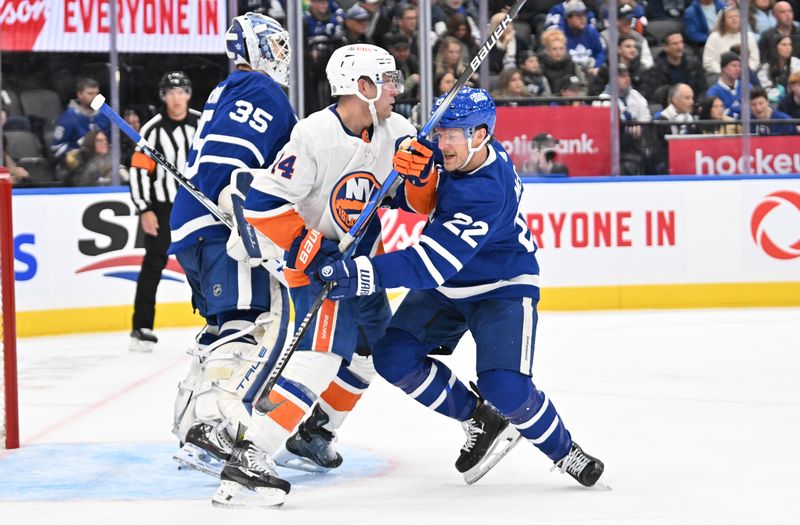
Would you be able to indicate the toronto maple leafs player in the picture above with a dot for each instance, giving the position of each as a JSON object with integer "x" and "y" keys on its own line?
{"x": 305, "y": 203}
{"x": 474, "y": 269}
{"x": 246, "y": 120}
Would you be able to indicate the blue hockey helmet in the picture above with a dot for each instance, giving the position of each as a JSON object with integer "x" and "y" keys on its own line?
{"x": 260, "y": 42}
{"x": 471, "y": 108}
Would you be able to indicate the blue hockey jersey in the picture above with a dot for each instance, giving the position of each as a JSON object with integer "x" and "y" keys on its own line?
{"x": 477, "y": 245}
{"x": 246, "y": 121}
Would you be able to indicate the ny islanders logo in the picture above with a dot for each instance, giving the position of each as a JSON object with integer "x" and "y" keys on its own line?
{"x": 780, "y": 206}
{"x": 349, "y": 196}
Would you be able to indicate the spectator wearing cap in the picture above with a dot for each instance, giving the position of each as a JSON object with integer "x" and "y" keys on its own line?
{"x": 724, "y": 35}
{"x": 761, "y": 110}
{"x": 774, "y": 74}
{"x": 379, "y": 22}
{"x": 354, "y": 26}
{"x": 639, "y": 19}
{"x": 699, "y": 18}
{"x": 625, "y": 29}
{"x": 785, "y": 25}
{"x": 399, "y": 48}
{"x": 728, "y": 88}
{"x": 504, "y": 54}
{"x": 570, "y": 87}
{"x": 632, "y": 108}
{"x": 790, "y": 103}
{"x": 77, "y": 120}
{"x": 628, "y": 56}
{"x": 557, "y": 15}
{"x": 535, "y": 82}
{"x": 672, "y": 66}
{"x": 583, "y": 41}
{"x": 556, "y": 63}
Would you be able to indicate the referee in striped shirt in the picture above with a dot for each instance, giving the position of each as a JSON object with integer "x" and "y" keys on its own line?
{"x": 153, "y": 191}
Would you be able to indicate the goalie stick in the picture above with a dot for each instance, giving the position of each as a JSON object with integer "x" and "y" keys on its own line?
{"x": 246, "y": 230}
{"x": 347, "y": 245}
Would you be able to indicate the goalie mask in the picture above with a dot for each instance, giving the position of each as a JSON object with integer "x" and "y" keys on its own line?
{"x": 261, "y": 43}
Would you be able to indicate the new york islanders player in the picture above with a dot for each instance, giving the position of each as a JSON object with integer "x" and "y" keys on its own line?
{"x": 305, "y": 202}
{"x": 474, "y": 269}
{"x": 246, "y": 120}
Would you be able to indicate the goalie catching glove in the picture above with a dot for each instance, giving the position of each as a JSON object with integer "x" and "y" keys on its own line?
{"x": 353, "y": 277}
{"x": 413, "y": 160}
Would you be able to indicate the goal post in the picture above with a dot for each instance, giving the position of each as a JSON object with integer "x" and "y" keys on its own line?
{"x": 9, "y": 418}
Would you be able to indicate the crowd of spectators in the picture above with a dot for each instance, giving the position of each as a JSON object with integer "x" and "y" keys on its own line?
{"x": 553, "y": 49}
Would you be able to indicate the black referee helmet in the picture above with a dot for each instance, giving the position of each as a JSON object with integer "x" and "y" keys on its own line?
{"x": 174, "y": 79}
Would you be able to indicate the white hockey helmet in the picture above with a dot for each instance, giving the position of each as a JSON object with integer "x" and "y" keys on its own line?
{"x": 349, "y": 63}
{"x": 260, "y": 42}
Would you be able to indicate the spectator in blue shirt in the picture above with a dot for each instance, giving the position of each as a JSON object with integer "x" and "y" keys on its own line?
{"x": 727, "y": 87}
{"x": 761, "y": 110}
{"x": 698, "y": 19}
{"x": 583, "y": 41}
{"x": 78, "y": 120}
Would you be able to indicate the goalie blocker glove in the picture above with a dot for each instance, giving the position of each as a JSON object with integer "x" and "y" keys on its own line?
{"x": 353, "y": 277}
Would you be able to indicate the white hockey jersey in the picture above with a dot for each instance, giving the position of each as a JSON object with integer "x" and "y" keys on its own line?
{"x": 322, "y": 179}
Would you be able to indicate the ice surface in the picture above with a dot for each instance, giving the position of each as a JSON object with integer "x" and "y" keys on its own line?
{"x": 695, "y": 413}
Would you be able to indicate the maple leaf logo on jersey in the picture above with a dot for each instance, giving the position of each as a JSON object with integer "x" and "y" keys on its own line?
{"x": 349, "y": 196}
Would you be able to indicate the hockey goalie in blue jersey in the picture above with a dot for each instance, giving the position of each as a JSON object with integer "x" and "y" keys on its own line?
{"x": 474, "y": 269}
{"x": 246, "y": 120}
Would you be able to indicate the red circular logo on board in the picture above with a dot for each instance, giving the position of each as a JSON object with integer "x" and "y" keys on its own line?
{"x": 350, "y": 195}
{"x": 772, "y": 202}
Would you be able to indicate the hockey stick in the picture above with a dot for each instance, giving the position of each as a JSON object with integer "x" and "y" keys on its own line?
{"x": 348, "y": 243}
{"x": 273, "y": 266}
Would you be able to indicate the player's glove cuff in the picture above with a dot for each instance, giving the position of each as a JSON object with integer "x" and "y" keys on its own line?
{"x": 353, "y": 278}
{"x": 310, "y": 250}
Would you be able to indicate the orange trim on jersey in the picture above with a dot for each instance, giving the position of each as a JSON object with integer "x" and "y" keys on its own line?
{"x": 281, "y": 229}
{"x": 286, "y": 414}
{"x": 365, "y": 136}
{"x": 323, "y": 331}
{"x": 423, "y": 199}
{"x": 142, "y": 161}
{"x": 340, "y": 399}
{"x": 296, "y": 278}
{"x": 380, "y": 250}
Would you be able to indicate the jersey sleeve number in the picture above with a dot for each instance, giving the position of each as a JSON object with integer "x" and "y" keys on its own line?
{"x": 258, "y": 119}
{"x": 463, "y": 226}
{"x": 285, "y": 165}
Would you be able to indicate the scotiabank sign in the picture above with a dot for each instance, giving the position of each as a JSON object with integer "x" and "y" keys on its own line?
{"x": 143, "y": 26}
{"x": 581, "y": 131}
{"x": 723, "y": 155}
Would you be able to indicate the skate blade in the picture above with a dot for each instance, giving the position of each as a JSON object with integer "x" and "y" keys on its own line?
{"x": 286, "y": 459}
{"x": 141, "y": 346}
{"x": 233, "y": 495}
{"x": 194, "y": 457}
{"x": 507, "y": 440}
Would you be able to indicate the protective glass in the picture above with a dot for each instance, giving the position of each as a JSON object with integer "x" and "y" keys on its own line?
{"x": 394, "y": 78}
{"x": 452, "y": 136}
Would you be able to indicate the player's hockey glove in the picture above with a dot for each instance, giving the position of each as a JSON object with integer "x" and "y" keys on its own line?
{"x": 413, "y": 160}
{"x": 310, "y": 250}
{"x": 353, "y": 277}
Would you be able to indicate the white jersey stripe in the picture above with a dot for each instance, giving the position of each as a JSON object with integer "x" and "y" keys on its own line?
{"x": 244, "y": 285}
{"x": 443, "y": 395}
{"x": 441, "y": 250}
{"x": 536, "y": 417}
{"x": 462, "y": 292}
{"x": 428, "y": 264}
{"x": 239, "y": 142}
{"x": 541, "y": 439}
{"x": 526, "y": 337}
{"x": 193, "y": 225}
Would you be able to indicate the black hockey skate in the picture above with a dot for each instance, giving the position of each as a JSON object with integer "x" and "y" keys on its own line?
{"x": 142, "y": 340}
{"x": 206, "y": 449}
{"x": 311, "y": 447}
{"x": 489, "y": 438}
{"x": 249, "y": 479}
{"x": 581, "y": 466}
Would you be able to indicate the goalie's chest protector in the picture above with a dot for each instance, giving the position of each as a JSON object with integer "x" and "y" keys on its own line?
{"x": 339, "y": 172}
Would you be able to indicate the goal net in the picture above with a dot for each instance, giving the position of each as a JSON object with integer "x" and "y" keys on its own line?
{"x": 9, "y": 427}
